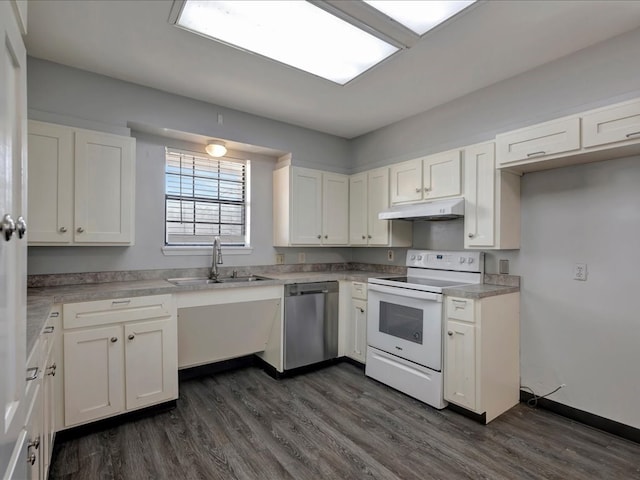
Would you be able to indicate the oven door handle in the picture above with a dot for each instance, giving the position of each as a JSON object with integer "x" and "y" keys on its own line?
{"x": 405, "y": 292}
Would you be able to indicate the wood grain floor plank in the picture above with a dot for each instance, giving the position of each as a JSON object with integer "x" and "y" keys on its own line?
{"x": 336, "y": 423}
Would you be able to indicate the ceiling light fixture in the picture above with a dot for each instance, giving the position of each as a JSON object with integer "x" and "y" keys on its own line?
{"x": 216, "y": 149}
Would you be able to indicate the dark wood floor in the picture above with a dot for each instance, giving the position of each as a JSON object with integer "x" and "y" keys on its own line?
{"x": 337, "y": 424}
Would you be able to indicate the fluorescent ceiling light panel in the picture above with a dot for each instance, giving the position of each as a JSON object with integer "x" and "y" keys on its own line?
{"x": 419, "y": 16}
{"x": 296, "y": 33}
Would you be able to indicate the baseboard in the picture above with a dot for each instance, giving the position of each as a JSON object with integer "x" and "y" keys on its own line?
{"x": 480, "y": 418}
{"x": 353, "y": 362}
{"x": 217, "y": 367}
{"x": 595, "y": 421}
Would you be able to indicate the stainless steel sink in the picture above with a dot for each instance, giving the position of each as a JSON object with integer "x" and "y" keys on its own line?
{"x": 205, "y": 281}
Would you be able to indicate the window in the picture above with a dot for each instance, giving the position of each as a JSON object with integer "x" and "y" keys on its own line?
{"x": 205, "y": 197}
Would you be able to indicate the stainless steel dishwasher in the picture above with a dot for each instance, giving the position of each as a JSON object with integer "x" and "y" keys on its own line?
{"x": 310, "y": 323}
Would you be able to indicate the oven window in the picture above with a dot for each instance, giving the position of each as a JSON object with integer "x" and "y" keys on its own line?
{"x": 401, "y": 321}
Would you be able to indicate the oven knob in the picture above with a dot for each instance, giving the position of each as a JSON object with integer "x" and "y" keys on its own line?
{"x": 470, "y": 260}
{"x": 419, "y": 257}
{"x": 462, "y": 259}
{"x": 413, "y": 257}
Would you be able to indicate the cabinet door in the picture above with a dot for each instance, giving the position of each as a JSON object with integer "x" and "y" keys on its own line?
{"x": 50, "y": 183}
{"x": 479, "y": 196}
{"x": 13, "y": 253}
{"x": 441, "y": 175}
{"x": 35, "y": 466}
{"x": 357, "y": 346}
{"x": 378, "y": 200}
{"x": 49, "y": 394}
{"x": 151, "y": 362}
{"x": 306, "y": 206}
{"x": 406, "y": 181}
{"x": 93, "y": 374}
{"x": 335, "y": 209}
{"x": 538, "y": 141}
{"x": 104, "y": 188}
{"x": 617, "y": 124}
{"x": 460, "y": 364}
{"x": 358, "y": 209}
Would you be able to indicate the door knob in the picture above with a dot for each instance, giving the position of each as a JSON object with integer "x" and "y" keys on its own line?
{"x": 21, "y": 226}
{"x": 7, "y": 227}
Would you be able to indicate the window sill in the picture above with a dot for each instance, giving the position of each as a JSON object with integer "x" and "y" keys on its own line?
{"x": 204, "y": 251}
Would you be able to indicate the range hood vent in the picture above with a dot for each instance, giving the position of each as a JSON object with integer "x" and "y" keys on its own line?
{"x": 447, "y": 209}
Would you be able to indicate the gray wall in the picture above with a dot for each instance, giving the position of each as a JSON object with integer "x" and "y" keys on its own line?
{"x": 82, "y": 99}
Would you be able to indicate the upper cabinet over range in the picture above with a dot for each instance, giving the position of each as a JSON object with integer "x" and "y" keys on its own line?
{"x": 426, "y": 178}
{"x": 81, "y": 186}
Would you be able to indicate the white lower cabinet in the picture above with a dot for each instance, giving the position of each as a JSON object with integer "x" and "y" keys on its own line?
{"x": 119, "y": 355}
{"x": 482, "y": 354}
{"x": 357, "y": 326}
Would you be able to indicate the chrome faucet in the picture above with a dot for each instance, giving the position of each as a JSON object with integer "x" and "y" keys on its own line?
{"x": 217, "y": 258}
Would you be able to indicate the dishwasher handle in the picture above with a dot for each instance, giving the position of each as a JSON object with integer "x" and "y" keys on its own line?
{"x": 295, "y": 290}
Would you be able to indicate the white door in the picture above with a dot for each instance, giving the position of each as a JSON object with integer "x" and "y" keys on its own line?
{"x": 151, "y": 362}
{"x": 406, "y": 181}
{"x": 358, "y": 209}
{"x": 460, "y": 364}
{"x": 441, "y": 175}
{"x": 13, "y": 259}
{"x": 306, "y": 206}
{"x": 104, "y": 188}
{"x": 378, "y": 200}
{"x": 335, "y": 209}
{"x": 479, "y": 185}
{"x": 93, "y": 374}
{"x": 50, "y": 183}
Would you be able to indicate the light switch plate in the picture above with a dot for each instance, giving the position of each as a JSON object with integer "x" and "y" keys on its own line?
{"x": 279, "y": 258}
{"x": 390, "y": 256}
{"x": 302, "y": 257}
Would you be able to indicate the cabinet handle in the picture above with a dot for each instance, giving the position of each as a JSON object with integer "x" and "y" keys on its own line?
{"x": 418, "y": 189}
{"x": 21, "y": 226}
{"x": 31, "y": 459}
{"x": 470, "y": 235}
{"x": 363, "y": 237}
{"x": 34, "y": 444}
{"x": 427, "y": 189}
{"x": 369, "y": 236}
{"x": 450, "y": 333}
{"x": 7, "y": 227}
{"x": 63, "y": 229}
{"x": 326, "y": 236}
{"x": 629, "y": 135}
{"x": 80, "y": 230}
{"x": 33, "y": 375}
{"x": 54, "y": 314}
{"x": 131, "y": 337}
{"x": 536, "y": 154}
{"x": 121, "y": 302}
{"x": 319, "y": 236}
{"x": 114, "y": 339}
{"x": 48, "y": 329}
{"x": 52, "y": 370}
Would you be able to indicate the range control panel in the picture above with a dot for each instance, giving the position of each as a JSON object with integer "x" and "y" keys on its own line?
{"x": 446, "y": 260}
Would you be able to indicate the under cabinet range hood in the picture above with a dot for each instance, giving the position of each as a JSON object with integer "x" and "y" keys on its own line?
{"x": 447, "y": 209}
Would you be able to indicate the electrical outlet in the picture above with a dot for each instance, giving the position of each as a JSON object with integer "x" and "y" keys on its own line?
{"x": 279, "y": 258}
{"x": 580, "y": 271}
{"x": 390, "y": 256}
{"x": 504, "y": 266}
{"x": 302, "y": 257}
{"x": 220, "y": 119}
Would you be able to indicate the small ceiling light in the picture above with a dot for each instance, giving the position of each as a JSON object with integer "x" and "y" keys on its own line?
{"x": 216, "y": 149}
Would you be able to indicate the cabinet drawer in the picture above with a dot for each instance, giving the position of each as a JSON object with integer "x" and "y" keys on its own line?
{"x": 460, "y": 309}
{"x": 617, "y": 124}
{"x": 359, "y": 290}
{"x": 102, "y": 312}
{"x": 538, "y": 141}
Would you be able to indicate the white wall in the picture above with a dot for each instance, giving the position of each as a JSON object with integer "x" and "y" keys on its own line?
{"x": 83, "y": 99}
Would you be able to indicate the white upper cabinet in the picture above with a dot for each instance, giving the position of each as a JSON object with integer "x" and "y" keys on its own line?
{"x": 82, "y": 186}
{"x": 539, "y": 141}
{"x": 426, "y": 178}
{"x": 310, "y": 207}
{"x": 368, "y": 196}
{"x": 492, "y": 201}
{"x": 620, "y": 123}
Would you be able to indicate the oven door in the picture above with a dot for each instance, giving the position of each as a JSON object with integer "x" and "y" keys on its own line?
{"x": 406, "y": 323}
